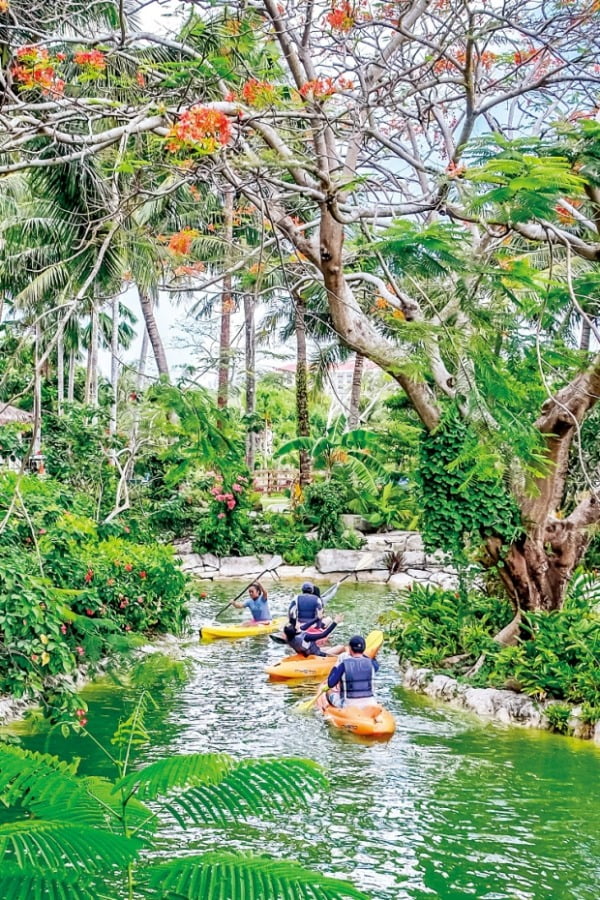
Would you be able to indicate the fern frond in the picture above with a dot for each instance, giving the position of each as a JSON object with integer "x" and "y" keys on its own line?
{"x": 215, "y": 876}
{"x": 248, "y": 789}
{"x": 53, "y": 845}
{"x": 166, "y": 775}
{"x": 15, "y": 884}
{"x": 46, "y": 786}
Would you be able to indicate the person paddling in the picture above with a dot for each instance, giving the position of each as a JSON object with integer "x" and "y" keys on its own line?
{"x": 257, "y": 603}
{"x": 354, "y": 674}
{"x": 307, "y": 607}
{"x": 305, "y": 643}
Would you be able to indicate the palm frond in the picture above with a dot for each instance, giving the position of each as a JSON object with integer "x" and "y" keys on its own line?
{"x": 215, "y": 876}
{"x": 248, "y": 789}
{"x": 166, "y": 775}
{"x": 53, "y": 845}
{"x": 15, "y": 884}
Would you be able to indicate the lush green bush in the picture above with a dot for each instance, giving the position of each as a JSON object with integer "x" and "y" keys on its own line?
{"x": 226, "y": 527}
{"x": 32, "y": 629}
{"x": 139, "y": 587}
{"x": 557, "y": 656}
{"x": 559, "y": 653}
{"x": 70, "y": 592}
{"x": 428, "y": 625}
{"x": 322, "y": 506}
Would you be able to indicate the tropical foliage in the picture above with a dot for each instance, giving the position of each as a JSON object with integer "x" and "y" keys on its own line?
{"x": 555, "y": 656}
{"x": 74, "y": 836}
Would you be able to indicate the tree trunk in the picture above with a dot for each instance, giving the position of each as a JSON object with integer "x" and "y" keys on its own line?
{"x": 60, "y": 375}
{"x": 302, "y": 415}
{"x": 91, "y": 375}
{"x": 353, "y": 412}
{"x": 36, "y": 438}
{"x": 250, "y": 359}
{"x": 160, "y": 357}
{"x": 141, "y": 372}
{"x": 586, "y": 334}
{"x": 226, "y": 305}
{"x": 71, "y": 380}
{"x": 535, "y": 569}
{"x": 114, "y": 365}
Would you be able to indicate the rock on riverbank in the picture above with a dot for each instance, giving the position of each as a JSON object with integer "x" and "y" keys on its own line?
{"x": 371, "y": 564}
{"x": 504, "y": 706}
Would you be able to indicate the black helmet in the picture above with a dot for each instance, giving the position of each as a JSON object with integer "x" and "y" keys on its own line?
{"x": 357, "y": 643}
{"x": 307, "y": 587}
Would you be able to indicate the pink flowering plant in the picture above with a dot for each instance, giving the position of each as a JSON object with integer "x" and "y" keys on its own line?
{"x": 226, "y": 528}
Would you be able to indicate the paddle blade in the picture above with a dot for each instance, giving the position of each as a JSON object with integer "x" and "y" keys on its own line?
{"x": 304, "y": 706}
{"x": 330, "y": 594}
{"x": 373, "y": 643}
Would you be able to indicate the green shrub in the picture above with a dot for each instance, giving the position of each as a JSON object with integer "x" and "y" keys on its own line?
{"x": 32, "y": 627}
{"x": 557, "y": 656}
{"x": 558, "y": 715}
{"x": 139, "y": 587}
{"x": 322, "y": 506}
{"x": 226, "y": 527}
{"x": 430, "y": 624}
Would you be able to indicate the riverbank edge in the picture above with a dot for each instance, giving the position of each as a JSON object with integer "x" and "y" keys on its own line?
{"x": 13, "y": 709}
{"x": 500, "y": 705}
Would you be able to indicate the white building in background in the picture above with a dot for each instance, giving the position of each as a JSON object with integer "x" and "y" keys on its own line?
{"x": 338, "y": 384}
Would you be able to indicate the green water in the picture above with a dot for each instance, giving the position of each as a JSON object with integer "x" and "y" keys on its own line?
{"x": 450, "y": 807}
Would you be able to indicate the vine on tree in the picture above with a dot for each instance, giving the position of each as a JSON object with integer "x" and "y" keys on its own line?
{"x": 461, "y": 507}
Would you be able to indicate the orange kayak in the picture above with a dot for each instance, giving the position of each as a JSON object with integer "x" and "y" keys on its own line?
{"x": 371, "y": 721}
{"x": 298, "y": 666}
{"x": 303, "y": 667}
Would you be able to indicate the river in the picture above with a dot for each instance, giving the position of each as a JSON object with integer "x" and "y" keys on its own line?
{"x": 450, "y": 807}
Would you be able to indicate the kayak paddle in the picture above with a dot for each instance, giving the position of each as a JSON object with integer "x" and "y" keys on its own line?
{"x": 275, "y": 562}
{"x": 304, "y": 706}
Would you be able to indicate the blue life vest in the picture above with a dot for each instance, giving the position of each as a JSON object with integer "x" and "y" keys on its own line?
{"x": 302, "y": 645}
{"x": 305, "y": 608}
{"x": 357, "y": 677}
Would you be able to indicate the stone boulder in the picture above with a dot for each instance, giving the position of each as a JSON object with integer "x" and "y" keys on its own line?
{"x": 401, "y": 581}
{"x": 347, "y": 561}
{"x": 240, "y": 566}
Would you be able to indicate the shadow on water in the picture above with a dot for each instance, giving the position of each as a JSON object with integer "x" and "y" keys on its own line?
{"x": 450, "y": 807}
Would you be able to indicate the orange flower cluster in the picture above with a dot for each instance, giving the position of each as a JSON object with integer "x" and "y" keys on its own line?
{"x": 35, "y": 69}
{"x": 341, "y": 18}
{"x": 190, "y": 269}
{"x": 322, "y": 88}
{"x": 200, "y": 128}
{"x": 455, "y": 171}
{"x": 94, "y": 61}
{"x": 522, "y": 57}
{"x": 564, "y": 214}
{"x": 485, "y": 60}
{"x": 181, "y": 242}
{"x": 4, "y": 6}
{"x": 259, "y": 93}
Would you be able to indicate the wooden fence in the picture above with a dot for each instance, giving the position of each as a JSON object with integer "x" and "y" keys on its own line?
{"x": 273, "y": 481}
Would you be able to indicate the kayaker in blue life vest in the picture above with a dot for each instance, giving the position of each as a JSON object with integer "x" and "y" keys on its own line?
{"x": 257, "y": 603}
{"x": 306, "y": 644}
{"x": 354, "y": 674}
{"x": 306, "y": 607}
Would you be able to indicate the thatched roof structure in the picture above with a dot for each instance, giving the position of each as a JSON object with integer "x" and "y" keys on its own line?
{"x": 10, "y": 414}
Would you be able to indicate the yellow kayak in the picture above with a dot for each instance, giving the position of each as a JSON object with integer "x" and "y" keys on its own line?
{"x": 233, "y": 632}
{"x": 298, "y": 666}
